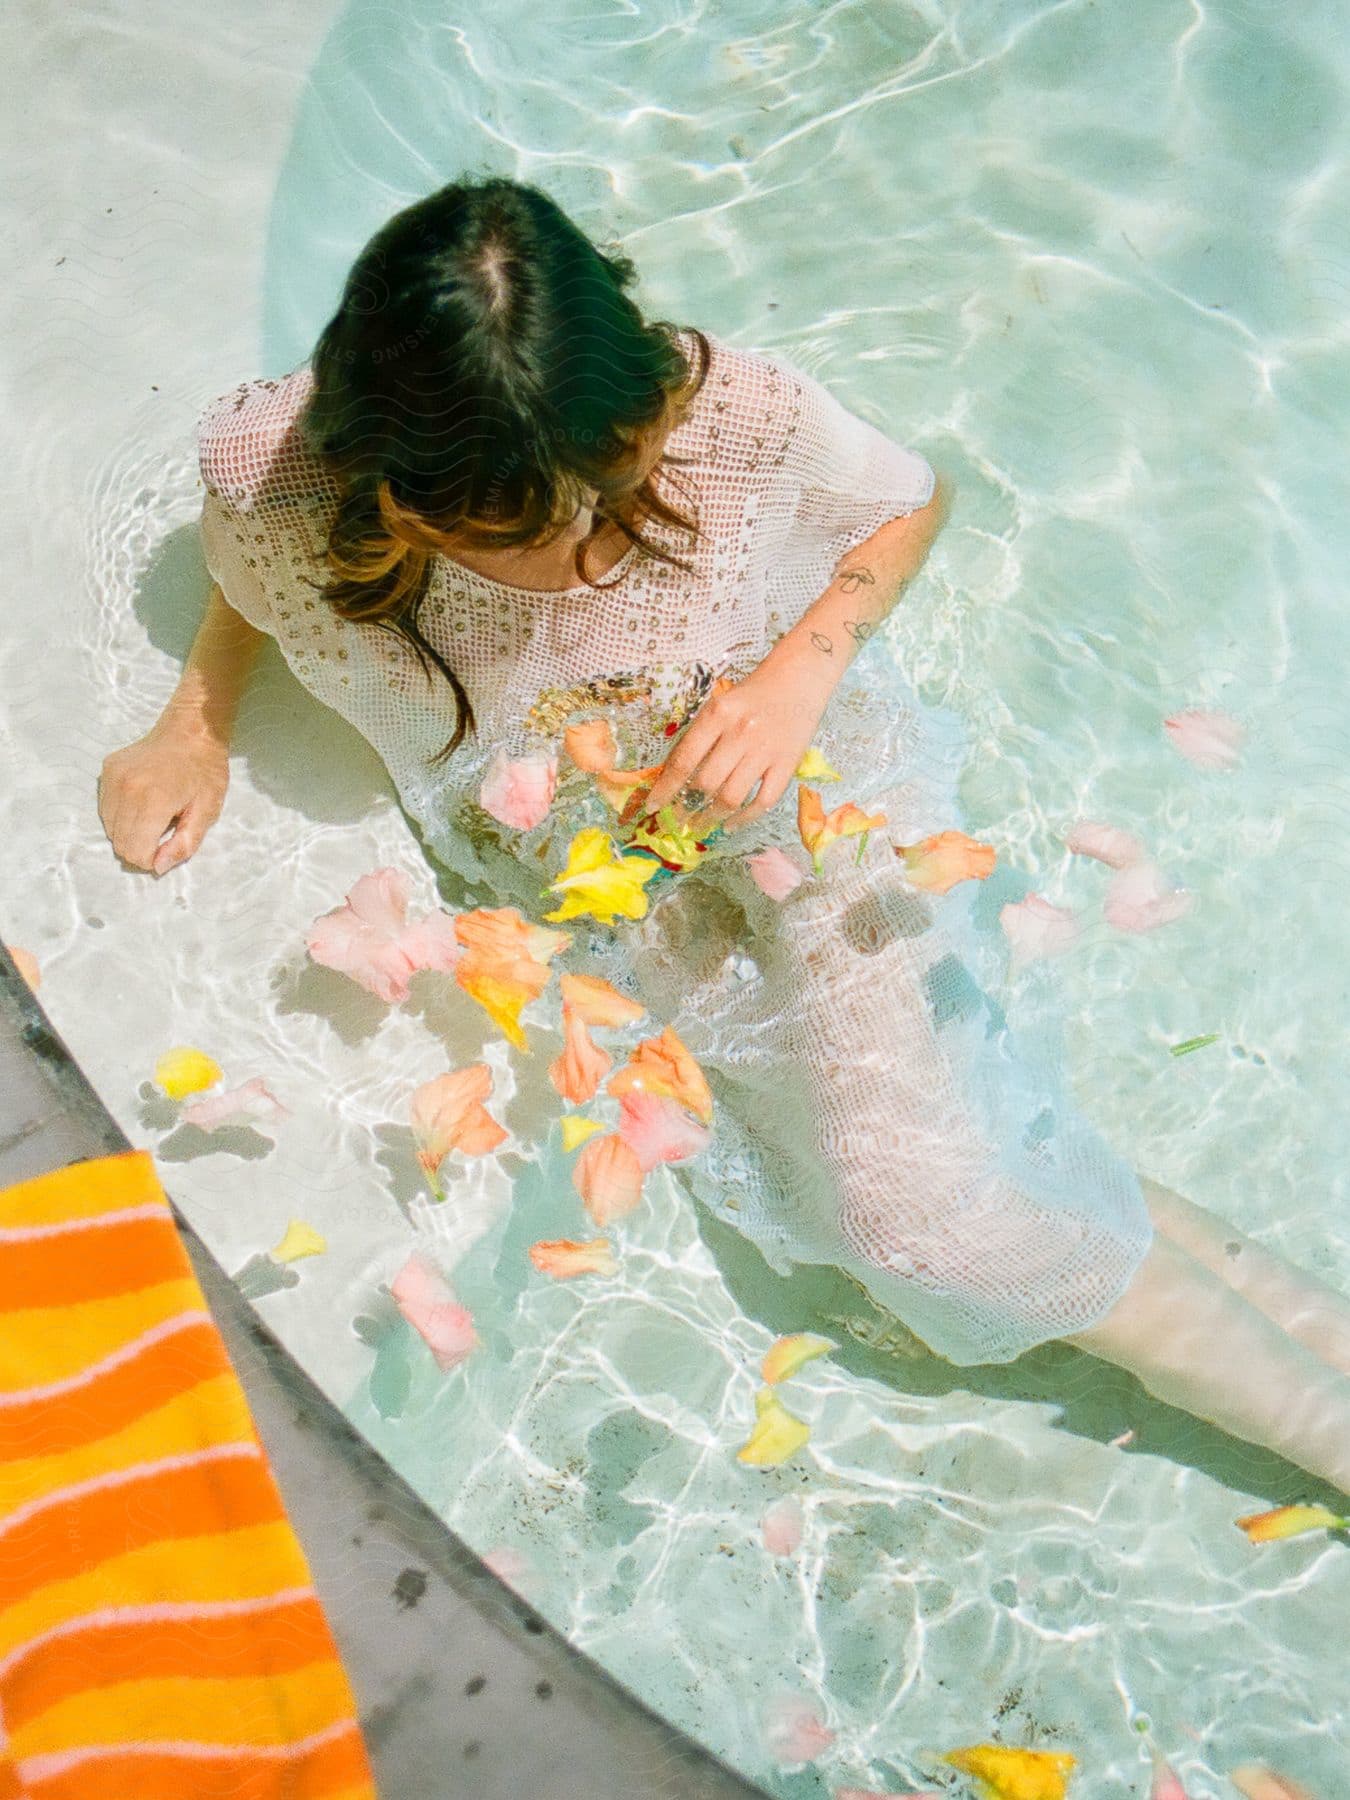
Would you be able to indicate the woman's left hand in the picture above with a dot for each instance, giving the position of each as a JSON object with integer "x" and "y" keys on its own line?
{"x": 755, "y": 731}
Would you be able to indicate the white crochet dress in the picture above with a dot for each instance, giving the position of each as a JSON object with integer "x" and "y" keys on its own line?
{"x": 874, "y": 1111}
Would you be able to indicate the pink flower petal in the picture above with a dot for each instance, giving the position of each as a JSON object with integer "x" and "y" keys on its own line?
{"x": 1210, "y": 740}
{"x": 872, "y": 1794}
{"x": 1107, "y": 843}
{"x": 432, "y": 942}
{"x": 362, "y": 938}
{"x": 774, "y": 872}
{"x": 511, "y": 1565}
{"x": 519, "y": 791}
{"x": 423, "y": 1296}
{"x": 1035, "y": 929}
{"x": 1166, "y": 1781}
{"x": 794, "y": 1731}
{"x": 239, "y": 1106}
{"x": 1138, "y": 899}
{"x": 658, "y": 1128}
{"x": 782, "y": 1526}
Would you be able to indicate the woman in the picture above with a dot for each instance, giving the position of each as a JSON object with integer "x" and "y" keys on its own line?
{"x": 498, "y": 499}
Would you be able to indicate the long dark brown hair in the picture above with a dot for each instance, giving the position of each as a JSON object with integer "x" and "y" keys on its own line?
{"x": 485, "y": 367}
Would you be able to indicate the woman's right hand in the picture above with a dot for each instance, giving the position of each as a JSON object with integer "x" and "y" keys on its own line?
{"x": 172, "y": 779}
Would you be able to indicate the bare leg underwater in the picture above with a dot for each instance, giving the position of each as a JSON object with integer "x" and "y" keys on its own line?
{"x": 1198, "y": 1344}
{"x": 1307, "y": 1308}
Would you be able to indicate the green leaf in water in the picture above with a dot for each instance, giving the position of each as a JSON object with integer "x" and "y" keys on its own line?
{"x": 1196, "y": 1043}
{"x": 391, "y": 1376}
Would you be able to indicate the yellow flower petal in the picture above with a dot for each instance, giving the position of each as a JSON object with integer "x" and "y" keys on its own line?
{"x": 1290, "y": 1521}
{"x": 576, "y": 1129}
{"x": 813, "y": 767}
{"x": 183, "y": 1071}
{"x": 777, "y": 1434}
{"x": 300, "y": 1240}
{"x": 598, "y": 882}
{"x": 787, "y": 1356}
{"x": 1005, "y": 1774}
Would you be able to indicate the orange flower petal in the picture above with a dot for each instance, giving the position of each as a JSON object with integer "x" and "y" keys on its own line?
{"x": 789, "y": 1353}
{"x": 27, "y": 965}
{"x": 598, "y": 1002}
{"x": 563, "y": 1258}
{"x": 578, "y": 1071}
{"x": 937, "y": 863}
{"x": 448, "y": 1114}
{"x": 608, "y": 1176}
{"x": 662, "y": 1065}
{"x": 591, "y": 745}
{"x": 1289, "y": 1521}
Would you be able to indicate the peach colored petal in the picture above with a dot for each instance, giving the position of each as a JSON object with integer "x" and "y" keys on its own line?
{"x": 519, "y": 790}
{"x": 27, "y": 965}
{"x": 1139, "y": 899}
{"x": 1107, "y": 843}
{"x": 938, "y": 862}
{"x": 575, "y": 1130}
{"x": 1257, "y": 1783}
{"x": 361, "y": 938}
{"x": 598, "y": 1002}
{"x": 662, "y": 1065}
{"x": 818, "y": 829}
{"x": 794, "y": 1731}
{"x": 448, "y": 1114}
{"x": 500, "y": 935}
{"x": 608, "y": 1176}
{"x": 781, "y": 1526}
{"x": 581, "y": 1065}
{"x": 1034, "y": 929}
{"x": 238, "y": 1106}
{"x": 426, "y": 1301}
{"x": 183, "y": 1071}
{"x": 658, "y": 1129}
{"x": 591, "y": 745}
{"x": 788, "y": 1354}
{"x": 1209, "y": 740}
{"x": 774, "y": 872}
{"x": 623, "y": 789}
{"x": 563, "y": 1258}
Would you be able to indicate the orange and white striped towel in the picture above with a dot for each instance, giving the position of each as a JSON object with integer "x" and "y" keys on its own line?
{"x": 159, "y": 1634}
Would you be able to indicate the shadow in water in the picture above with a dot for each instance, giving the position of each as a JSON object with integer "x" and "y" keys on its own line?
{"x": 1095, "y": 1399}
{"x": 299, "y": 752}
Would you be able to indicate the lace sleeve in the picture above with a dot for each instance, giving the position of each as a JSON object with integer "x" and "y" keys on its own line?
{"x": 848, "y": 478}
{"x": 224, "y": 550}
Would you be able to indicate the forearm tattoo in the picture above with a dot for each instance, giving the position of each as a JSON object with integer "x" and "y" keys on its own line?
{"x": 852, "y": 581}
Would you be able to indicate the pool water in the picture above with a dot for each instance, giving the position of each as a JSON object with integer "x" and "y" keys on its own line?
{"x": 1093, "y": 261}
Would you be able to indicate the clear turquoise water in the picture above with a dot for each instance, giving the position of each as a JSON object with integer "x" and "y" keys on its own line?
{"x": 1094, "y": 261}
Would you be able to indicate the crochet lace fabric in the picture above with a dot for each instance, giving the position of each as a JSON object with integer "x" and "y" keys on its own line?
{"x": 876, "y": 1111}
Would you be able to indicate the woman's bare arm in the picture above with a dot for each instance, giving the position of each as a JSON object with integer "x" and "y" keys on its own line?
{"x": 173, "y": 780}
